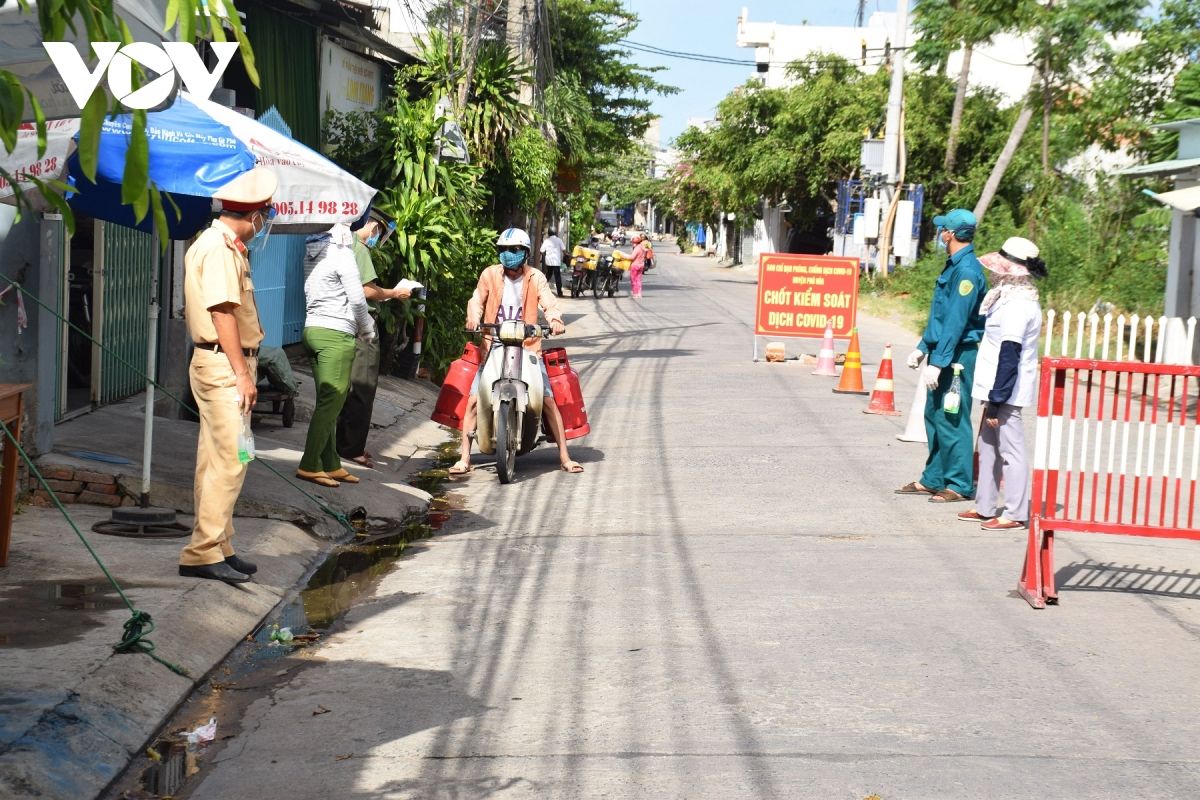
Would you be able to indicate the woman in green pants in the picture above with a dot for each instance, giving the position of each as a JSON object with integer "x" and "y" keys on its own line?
{"x": 336, "y": 313}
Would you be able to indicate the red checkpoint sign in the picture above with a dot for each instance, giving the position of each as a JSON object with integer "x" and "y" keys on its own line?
{"x": 798, "y": 294}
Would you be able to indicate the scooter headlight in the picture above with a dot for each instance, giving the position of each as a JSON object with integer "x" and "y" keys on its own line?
{"x": 512, "y": 332}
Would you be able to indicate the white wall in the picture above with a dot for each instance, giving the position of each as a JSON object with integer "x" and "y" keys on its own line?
{"x": 998, "y": 66}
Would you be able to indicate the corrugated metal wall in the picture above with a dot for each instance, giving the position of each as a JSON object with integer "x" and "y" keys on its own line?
{"x": 128, "y": 260}
{"x": 278, "y": 272}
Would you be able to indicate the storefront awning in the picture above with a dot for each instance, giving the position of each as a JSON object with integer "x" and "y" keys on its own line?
{"x": 1175, "y": 166}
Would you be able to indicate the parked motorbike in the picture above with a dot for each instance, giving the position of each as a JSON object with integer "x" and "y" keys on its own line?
{"x": 584, "y": 262}
{"x": 510, "y": 396}
{"x": 607, "y": 276}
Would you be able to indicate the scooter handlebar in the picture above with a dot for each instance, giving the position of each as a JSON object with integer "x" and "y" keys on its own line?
{"x": 530, "y": 330}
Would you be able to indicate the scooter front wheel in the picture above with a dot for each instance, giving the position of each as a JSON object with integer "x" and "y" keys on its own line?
{"x": 508, "y": 436}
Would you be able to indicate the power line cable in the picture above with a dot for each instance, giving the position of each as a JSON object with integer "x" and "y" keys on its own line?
{"x": 815, "y": 60}
{"x": 684, "y": 53}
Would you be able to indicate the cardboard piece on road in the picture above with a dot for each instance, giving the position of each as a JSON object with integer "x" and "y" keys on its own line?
{"x": 799, "y": 294}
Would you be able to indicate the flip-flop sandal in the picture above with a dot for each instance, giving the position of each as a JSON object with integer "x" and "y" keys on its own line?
{"x": 343, "y": 476}
{"x": 973, "y": 516}
{"x": 573, "y": 467}
{"x": 913, "y": 488}
{"x": 460, "y": 468}
{"x": 364, "y": 461}
{"x": 947, "y": 496}
{"x": 319, "y": 478}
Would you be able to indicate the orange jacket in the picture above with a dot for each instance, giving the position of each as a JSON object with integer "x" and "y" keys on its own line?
{"x": 485, "y": 302}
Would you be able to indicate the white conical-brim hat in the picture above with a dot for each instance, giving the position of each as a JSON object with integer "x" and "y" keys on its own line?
{"x": 1012, "y": 258}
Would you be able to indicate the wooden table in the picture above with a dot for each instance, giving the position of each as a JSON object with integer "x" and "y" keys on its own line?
{"x": 12, "y": 397}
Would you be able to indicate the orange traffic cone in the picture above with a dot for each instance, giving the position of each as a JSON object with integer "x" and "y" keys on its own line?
{"x": 825, "y": 359}
{"x": 883, "y": 399}
{"x": 851, "y": 382}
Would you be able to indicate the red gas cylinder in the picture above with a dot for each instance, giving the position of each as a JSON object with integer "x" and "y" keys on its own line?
{"x": 564, "y": 381}
{"x": 456, "y": 389}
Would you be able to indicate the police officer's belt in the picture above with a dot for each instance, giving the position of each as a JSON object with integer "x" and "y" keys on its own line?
{"x": 216, "y": 348}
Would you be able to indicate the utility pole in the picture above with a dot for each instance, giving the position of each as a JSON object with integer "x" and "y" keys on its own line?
{"x": 891, "y": 131}
{"x": 520, "y": 23}
{"x": 892, "y": 136}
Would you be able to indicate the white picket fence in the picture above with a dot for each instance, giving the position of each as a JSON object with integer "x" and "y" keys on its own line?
{"x": 1159, "y": 340}
{"x": 1162, "y": 340}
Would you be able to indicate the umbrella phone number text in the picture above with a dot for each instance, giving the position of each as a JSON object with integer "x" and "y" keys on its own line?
{"x": 47, "y": 166}
{"x": 294, "y": 208}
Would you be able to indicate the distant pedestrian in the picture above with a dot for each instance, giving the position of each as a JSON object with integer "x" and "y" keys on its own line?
{"x": 951, "y": 336}
{"x": 222, "y": 321}
{"x": 354, "y": 421}
{"x": 1006, "y": 382}
{"x": 552, "y": 258}
{"x": 336, "y": 315}
{"x": 637, "y": 265}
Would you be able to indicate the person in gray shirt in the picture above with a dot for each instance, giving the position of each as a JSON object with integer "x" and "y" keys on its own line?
{"x": 337, "y": 314}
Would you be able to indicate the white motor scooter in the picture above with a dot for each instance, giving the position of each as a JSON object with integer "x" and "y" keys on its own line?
{"x": 510, "y": 396}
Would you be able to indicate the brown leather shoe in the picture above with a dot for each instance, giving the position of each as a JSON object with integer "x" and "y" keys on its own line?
{"x": 973, "y": 516}
{"x": 1001, "y": 524}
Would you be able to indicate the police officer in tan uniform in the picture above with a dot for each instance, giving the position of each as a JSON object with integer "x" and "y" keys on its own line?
{"x": 222, "y": 320}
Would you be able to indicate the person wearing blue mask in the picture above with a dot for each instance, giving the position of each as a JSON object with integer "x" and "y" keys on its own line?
{"x": 952, "y": 335}
{"x": 514, "y": 290}
{"x": 354, "y": 423}
{"x": 223, "y": 323}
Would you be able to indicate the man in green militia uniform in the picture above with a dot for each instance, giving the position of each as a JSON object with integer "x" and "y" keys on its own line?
{"x": 951, "y": 336}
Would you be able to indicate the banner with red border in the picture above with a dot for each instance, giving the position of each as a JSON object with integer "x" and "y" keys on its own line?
{"x": 798, "y": 294}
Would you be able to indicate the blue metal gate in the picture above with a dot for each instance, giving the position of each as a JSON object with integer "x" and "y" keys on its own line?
{"x": 278, "y": 272}
{"x": 128, "y": 264}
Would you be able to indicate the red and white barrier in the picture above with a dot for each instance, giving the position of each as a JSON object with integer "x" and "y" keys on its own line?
{"x": 1117, "y": 451}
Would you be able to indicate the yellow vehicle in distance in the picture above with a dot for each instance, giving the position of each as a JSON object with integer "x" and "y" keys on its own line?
{"x": 584, "y": 261}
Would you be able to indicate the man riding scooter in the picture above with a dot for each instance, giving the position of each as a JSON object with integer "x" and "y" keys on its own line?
{"x": 514, "y": 290}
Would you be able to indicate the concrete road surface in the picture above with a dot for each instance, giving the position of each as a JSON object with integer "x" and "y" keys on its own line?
{"x": 731, "y": 603}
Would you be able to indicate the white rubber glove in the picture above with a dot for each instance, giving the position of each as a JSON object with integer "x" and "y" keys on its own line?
{"x": 930, "y": 375}
{"x": 914, "y": 359}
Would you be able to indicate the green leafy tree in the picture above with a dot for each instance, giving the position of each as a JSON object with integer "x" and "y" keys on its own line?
{"x": 1156, "y": 79}
{"x": 588, "y": 53}
{"x": 436, "y": 205}
{"x": 599, "y": 102}
{"x": 943, "y": 26}
{"x": 1071, "y": 39}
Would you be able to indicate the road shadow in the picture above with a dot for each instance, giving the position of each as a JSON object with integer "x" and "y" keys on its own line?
{"x": 542, "y": 461}
{"x": 585, "y": 358}
{"x": 1096, "y": 576}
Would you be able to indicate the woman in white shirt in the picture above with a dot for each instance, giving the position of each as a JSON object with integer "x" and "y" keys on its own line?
{"x": 1006, "y": 380}
{"x": 336, "y": 313}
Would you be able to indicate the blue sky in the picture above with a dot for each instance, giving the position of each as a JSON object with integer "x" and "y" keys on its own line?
{"x": 710, "y": 27}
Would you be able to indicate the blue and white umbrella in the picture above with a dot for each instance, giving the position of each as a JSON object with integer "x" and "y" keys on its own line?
{"x": 191, "y": 156}
{"x": 195, "y": 147}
